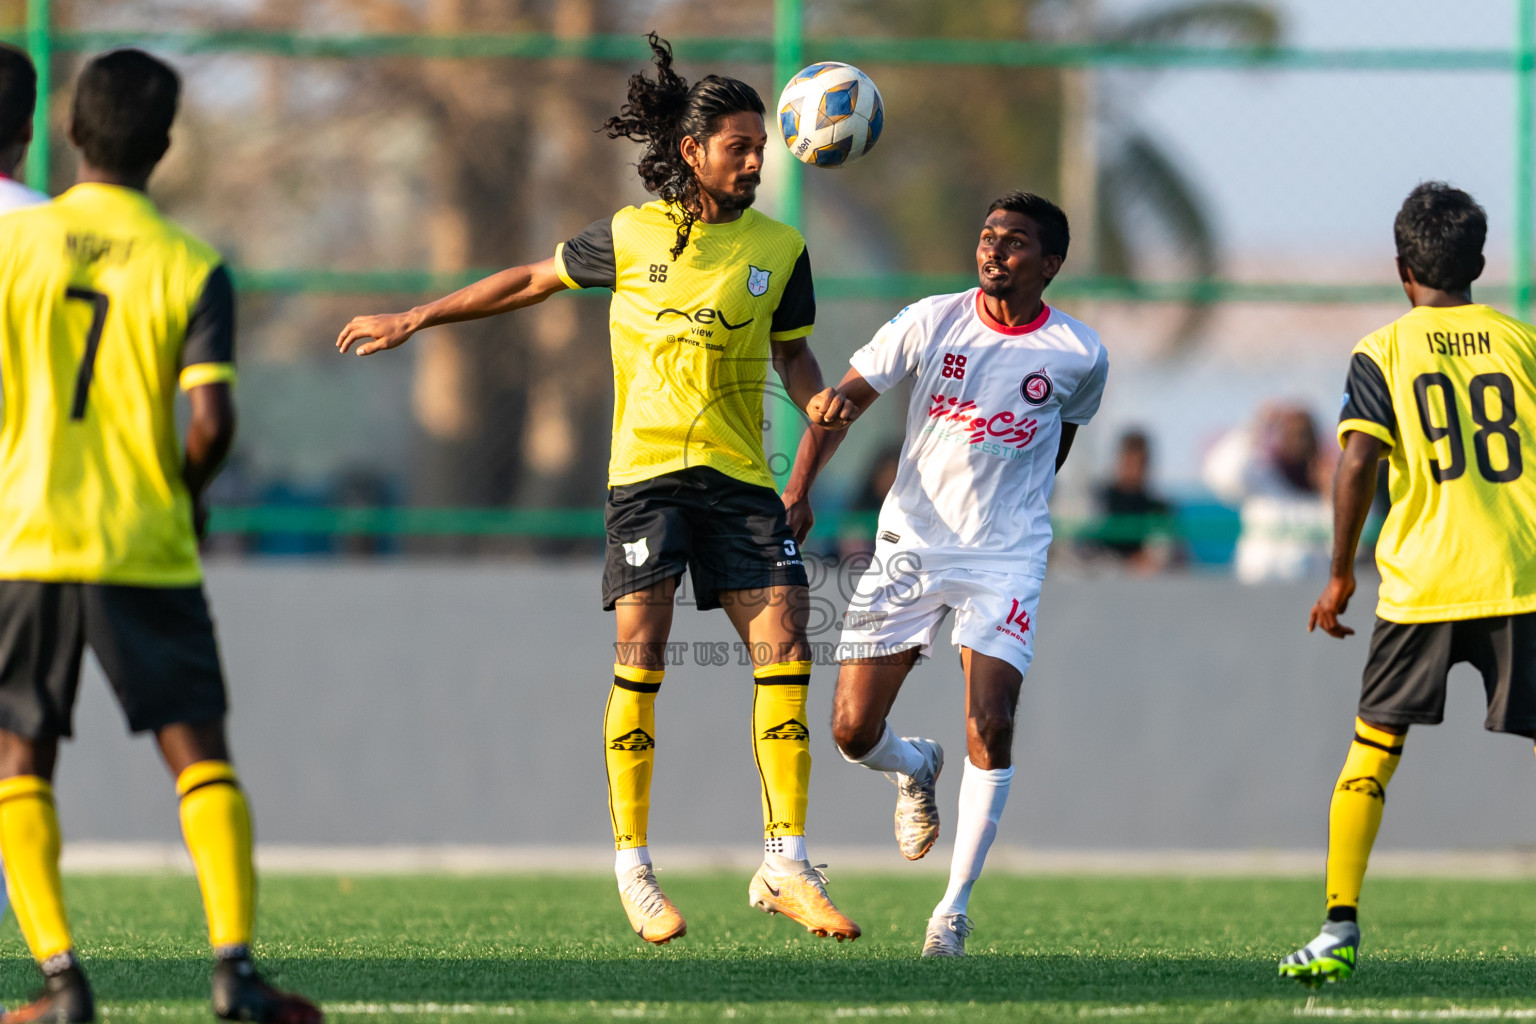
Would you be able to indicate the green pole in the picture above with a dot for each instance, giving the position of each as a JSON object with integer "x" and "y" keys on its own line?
{"x": 784, "y": 422}
{"x": 40, "y": 46}
{"x": 1525, "y": 181}
{"x": 788, "y": 58}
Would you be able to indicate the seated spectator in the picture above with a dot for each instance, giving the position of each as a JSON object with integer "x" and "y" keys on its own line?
{"x": 1131, "y": 516}
{"x": 1277, "y": 473}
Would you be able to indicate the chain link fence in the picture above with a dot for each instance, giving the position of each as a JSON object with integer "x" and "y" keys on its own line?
{"x": 1231, "y": 171}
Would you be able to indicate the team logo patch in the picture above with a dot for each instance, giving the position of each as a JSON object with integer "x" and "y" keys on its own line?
{"x": 635, "y": 739}
{"x": 1366, "y": 785}
{"x": 790, "y": 730}
{"x": 638, "y": 552}
{"x": 757, "y": 280}
{"x": 1036, "y": 387}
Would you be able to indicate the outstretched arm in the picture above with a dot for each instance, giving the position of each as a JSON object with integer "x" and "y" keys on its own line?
{"x": 499, "y": 293}
{"x": 1354, "y": 488}
{"x": 796, "y": 366}
{"x": 831, "y": 412}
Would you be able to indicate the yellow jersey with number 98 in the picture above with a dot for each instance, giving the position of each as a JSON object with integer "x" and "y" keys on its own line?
{"x": 1452, "y": 390}
{"x": 105, "y": 307}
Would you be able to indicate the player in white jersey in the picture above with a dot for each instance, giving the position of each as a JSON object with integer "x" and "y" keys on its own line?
{"x": 1002, "y": 382}
{"x": 18, "y": 99}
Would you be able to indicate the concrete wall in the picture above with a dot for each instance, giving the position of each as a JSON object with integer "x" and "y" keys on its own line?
{"x": 436, "y": 703}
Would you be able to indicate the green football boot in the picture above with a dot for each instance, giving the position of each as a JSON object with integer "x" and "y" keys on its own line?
{"x": 1329, "y": 957}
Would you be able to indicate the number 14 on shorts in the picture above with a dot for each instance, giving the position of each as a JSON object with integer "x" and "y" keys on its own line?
{"x": 1018, "y": 617}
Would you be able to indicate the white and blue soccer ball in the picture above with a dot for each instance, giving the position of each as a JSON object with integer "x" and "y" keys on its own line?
{"x": 830, "y": 114}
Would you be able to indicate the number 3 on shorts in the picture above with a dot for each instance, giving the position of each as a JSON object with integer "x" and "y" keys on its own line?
{"x": 789, "y": 549}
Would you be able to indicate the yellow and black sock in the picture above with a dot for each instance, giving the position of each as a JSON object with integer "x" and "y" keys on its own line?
{"x": 781, "y": 743}
{"x": 29, "y": 842}
{"x": 629, "y": 739}
{"x": 1354, "y": 816}
{"x": 216, "y": 824}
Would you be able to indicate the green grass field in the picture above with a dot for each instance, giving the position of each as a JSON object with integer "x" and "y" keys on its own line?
{"x": 557, "y": 948}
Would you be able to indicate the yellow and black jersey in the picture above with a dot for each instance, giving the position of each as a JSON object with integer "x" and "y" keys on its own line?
{"x": 691, "y": 337}
{"x": 1453, "y": 391}
{"x": 105, "y": 306}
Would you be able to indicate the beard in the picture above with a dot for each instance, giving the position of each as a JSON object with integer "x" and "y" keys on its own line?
{"x": 728, "y": 200}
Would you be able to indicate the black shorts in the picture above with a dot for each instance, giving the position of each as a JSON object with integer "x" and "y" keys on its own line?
{"x": 1406, "y": 671}
{"x": 728, "y": 534}
{"x": 155, "y": 644}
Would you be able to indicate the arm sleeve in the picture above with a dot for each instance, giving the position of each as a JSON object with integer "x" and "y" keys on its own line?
{"x": 796, "y": 313}
{"x": 588, "y": 261}
{"x": 1367, "y": 402}
{"x": 1084, "y": 400}
{"x": 893, "y": 352}
{"x": 208, "y": 353}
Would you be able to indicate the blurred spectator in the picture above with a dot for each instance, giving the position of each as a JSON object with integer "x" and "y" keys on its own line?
{"x": 1276, "y": 470}
{"x": 1134, "y": 524}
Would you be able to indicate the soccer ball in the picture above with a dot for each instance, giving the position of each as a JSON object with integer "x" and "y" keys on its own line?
{"x": 830, "y": 114}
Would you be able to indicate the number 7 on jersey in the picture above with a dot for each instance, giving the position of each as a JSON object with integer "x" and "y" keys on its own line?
{"x": 99, "y": 304}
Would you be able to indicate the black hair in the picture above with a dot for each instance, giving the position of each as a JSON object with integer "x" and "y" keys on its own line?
{"x": 125, "y": 102}
{"x": 1440, "y": 233}
{"x": 660, "y": 113}
{"x": 18, "y": 93}
{"x": 1049, "y": 217}
{"x": 1134, "y": 439}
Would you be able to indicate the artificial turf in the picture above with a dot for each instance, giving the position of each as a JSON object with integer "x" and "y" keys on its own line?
{"x": 558, "y": 948}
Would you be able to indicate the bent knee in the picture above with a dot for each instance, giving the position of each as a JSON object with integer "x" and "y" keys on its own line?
{"x": 854, "y": 737}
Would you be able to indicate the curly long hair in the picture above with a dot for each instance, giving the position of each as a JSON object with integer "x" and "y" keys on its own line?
{"x": 661, "y": 112}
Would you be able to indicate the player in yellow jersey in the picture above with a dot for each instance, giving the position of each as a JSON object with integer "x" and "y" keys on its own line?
{"x": 1446, "y": 394}
{"x": 707, "y": 292}
{"x": 105, "y": 307}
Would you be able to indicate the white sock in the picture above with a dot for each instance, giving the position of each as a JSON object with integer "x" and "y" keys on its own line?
{"x": 891, "y": 754}
{"x": 626, "y": 861}
{"x": 982, "y": 796}
{"x": 788, "y": 847}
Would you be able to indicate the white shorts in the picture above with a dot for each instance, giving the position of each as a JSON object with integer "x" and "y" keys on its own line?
{"x": 895, "y": 612}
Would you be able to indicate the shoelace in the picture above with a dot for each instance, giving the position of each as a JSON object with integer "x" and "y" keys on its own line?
{"x": 643, "y": 891}
{"x": 961, "y": 926}
{"x": 816, "y": 876}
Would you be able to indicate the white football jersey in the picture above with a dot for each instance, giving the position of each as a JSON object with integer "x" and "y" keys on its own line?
{"x": 979, "y": 461}
{"x": 14, "y": 195}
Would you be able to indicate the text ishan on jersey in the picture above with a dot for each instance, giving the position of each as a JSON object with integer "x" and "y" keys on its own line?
{"x": 1454, "y": 343}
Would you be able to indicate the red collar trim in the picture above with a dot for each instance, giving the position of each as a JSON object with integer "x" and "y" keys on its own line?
{"x": 1002, "y": 328}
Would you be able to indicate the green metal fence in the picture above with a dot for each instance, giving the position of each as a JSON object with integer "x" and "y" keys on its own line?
{"x": 784, "y": 52}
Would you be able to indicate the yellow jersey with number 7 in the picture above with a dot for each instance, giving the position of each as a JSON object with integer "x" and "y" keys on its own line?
{"x": 1452, "y": 390}
{"x": 105, "y": 307}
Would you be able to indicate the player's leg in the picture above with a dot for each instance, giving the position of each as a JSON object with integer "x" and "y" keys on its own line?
{"x": 992, "y": 696}
{"x": 648, "y": 546}
{"x": 1404, "y": 683}
{"x": 644, "y": 620}
{"x": 890, "y": 623}
{"x": 866, "y": 690}
{"x": 41, "y": 643}
{"x": 158, "y": 650}
{"x": 994, "y": 629}
{"x": 772, "y": 623}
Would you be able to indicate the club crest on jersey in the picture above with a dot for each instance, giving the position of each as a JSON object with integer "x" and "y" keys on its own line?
{"x": 1036, "y": 388}
{"x": 757, "y": 280}
{"x": 638, "y": 552}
